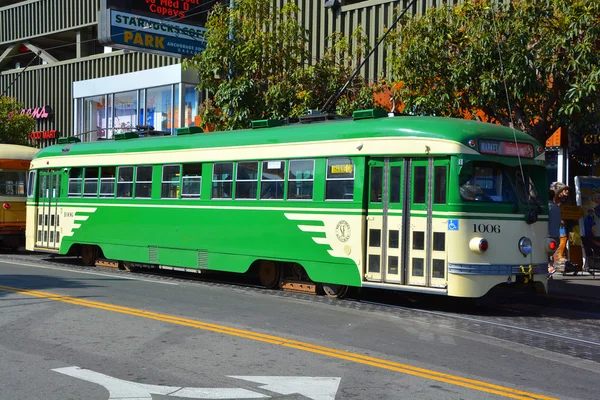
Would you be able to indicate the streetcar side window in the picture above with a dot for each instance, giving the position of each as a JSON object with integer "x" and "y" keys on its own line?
{"x": 301, "y": 178}
{"x": 107, "y": 181}
{"x": 222, "y": 180}
{"x": 272, "y": 180}
{"x": 12, "y": 183}
{"x": 171, "y": 181}
{"x": 191, "y": 181}
{"x": 74, "y": 183}
{"x": 246, "y": 180}
{"x": 339, "y": 183}
{"x": 143, "y": 182}
{"x": 419, "y": 185}
{"x": 484, "y": 182}
{"x": 90, "y": 181}
{"x": 125, "y": 182}
{"x": 439, "y": 191}
{"x": 30, "y": 183}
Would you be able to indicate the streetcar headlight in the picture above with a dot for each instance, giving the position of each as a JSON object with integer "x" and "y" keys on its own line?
{"x": 478, "y": 245}
{"x": 525, "y": 246}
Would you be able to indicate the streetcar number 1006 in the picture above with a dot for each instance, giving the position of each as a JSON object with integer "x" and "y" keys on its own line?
{"x": 486, "y": 228}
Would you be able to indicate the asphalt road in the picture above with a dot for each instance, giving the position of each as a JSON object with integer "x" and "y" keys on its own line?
{"x": 83, "y": 333}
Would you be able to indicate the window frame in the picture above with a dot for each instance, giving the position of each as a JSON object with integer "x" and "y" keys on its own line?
{"x": 172, "y": 182}
{"x": 312, "y": 179}
{"x": 114, "y": 183}
{"x": 185, "y": 196}
{"x": 230, "y": 180}
{"x": 80, "y": 180}
{"x": 238, "y": 180}
{"x": 282, "y": 180}
{"x": 328, "y": 179}
{"x": 120, "y": 183}
{"x": 136, "y": 182}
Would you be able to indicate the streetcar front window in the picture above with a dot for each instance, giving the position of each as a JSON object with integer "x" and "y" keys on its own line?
{"x": 485, "y": 182}
{"x": 524, "y": 180}
{"x": 12, "y": 183}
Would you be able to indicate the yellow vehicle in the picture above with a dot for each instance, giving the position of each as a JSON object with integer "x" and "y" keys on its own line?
{"x": 14, "y": 163}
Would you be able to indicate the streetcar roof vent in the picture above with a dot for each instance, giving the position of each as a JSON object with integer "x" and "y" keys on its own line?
{"x": 371, "y": 113}
{"x": 313, "y": 116}
{"x": 126, "y": 135}
{"x": 68, "y": 139}
{"x": 188, "y": 130}
{"x": 266, "y": 123}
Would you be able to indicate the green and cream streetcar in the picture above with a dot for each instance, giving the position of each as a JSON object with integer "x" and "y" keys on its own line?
{"x": 432, "y": 205}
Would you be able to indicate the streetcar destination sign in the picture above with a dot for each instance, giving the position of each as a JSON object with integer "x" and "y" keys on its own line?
{"x": 510, "y": 149}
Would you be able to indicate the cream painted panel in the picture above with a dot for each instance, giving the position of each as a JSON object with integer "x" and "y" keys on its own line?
{"x": 374, "y": 222}
{"x": 417, "y": 224}
{"x": 370, "y": 146}
{"x": 394, "y": 224}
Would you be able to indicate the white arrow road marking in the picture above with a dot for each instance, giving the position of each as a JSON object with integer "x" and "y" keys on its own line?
{"x": 314, "y": 388}
{"x": 120, "y": 390}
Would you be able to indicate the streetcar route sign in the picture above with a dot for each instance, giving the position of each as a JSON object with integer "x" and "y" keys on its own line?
{"x": 314, "y": 388}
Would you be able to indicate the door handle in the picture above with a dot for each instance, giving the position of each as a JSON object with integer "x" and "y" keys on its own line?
{"x": 370, "y": 218}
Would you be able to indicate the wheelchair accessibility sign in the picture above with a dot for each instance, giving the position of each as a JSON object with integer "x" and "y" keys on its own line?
{"x": 452, "y": 224}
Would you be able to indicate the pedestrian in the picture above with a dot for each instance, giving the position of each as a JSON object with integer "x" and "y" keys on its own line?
{"x": 553, "y": 227}
{"x": 561, "y": 197}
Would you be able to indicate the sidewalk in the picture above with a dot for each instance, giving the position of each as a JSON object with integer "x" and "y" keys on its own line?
{"x": 582, "y": 287}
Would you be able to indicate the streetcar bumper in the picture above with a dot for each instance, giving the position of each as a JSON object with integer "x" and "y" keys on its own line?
{"x": 476, "y": 280}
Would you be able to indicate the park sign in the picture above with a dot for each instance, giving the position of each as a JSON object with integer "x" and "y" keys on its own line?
{"x": 151, "y": 32}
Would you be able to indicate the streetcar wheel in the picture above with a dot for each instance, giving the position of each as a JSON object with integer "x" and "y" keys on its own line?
{"x": 335, "y": 291}
{"x": 269, "y": 274}
{"x": 89, "y": 254}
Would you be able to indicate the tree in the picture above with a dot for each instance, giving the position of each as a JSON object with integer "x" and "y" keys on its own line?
{"x": 531, "y": 63}
{"x": 14, "y": 126}
{"x": 256, "y": 65}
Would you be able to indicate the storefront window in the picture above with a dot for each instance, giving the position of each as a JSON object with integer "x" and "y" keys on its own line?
{"x": 192, "y": 102}
{"x": 95, "y": 121}
{"x": 158, "y": 107}
{"x": 176, "y": 113}
{"x": 125, "y": 111}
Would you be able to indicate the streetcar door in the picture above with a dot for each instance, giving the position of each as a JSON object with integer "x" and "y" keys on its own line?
{"x": 48, "y": 233}
{"x": 384, "y": 221}
{"x": 426, "y": 244}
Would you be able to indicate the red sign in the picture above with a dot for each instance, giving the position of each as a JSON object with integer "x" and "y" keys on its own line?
{"x": 183, "y": 11}
{"x": 509, "y": 149}
{"x": 43, "y": 112}
{"x": 39, "y": 135}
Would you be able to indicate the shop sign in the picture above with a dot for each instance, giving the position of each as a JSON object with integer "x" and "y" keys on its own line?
{"x": 193, "y": 12}
{"x": 39, "y": 135}
{"x": 43, "y": 112}
{"x": 570, "y": 212}
{"x": 135, "y": 32}
{"x": 591, "y": 139}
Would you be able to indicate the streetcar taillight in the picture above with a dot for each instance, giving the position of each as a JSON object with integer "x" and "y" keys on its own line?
{"x": 483, "y": 245}
{"x": 478, "y": 245}
{"x": 552, "y": 245}
{"x": 6, "y": 206}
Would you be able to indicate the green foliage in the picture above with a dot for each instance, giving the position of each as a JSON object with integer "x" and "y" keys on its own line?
{"x": 14, "y": 127}
{"x": 540, "y": 56}
{"x": 257, "y": 65}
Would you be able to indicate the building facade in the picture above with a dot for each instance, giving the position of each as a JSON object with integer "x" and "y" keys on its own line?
{"x": 48, "y": 45}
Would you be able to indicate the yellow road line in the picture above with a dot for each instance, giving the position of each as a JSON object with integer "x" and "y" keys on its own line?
{"x": 303, "y": 346}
